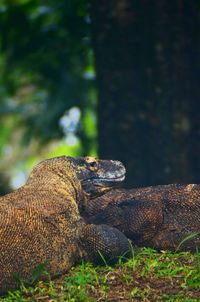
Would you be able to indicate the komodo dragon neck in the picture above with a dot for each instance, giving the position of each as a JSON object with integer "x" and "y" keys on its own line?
{"x": 58, "y": 185}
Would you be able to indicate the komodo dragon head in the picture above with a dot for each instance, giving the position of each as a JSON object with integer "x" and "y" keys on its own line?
{"x": 98, "y": 176}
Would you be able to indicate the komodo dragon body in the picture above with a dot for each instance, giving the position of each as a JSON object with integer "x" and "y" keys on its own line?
{"x": 159, "y": 216}
{"x": 41, "y": 223}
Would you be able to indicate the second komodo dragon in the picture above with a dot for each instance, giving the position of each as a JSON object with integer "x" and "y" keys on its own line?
{"x": 161, "y": 217}
{"x": 41, "y": 223}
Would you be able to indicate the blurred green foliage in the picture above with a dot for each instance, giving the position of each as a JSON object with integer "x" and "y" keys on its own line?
{"x": 46, "y": 68}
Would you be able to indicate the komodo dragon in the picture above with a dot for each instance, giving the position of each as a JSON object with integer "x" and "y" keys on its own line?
{"x": 41, "y": 223}
{"x": 158, "y": 216}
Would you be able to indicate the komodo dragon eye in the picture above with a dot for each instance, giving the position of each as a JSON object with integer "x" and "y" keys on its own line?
{"x": 92, "y": 164}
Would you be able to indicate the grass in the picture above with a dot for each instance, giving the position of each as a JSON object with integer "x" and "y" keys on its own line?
{"x": 147, "y": 276}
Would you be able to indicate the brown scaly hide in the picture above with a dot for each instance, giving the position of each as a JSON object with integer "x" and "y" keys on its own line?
{"x": 158, "y": 216}
{"x": 41, "y": 223}
{"x": 34, "y": 228}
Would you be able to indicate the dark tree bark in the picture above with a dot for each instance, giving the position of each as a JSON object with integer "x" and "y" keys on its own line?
{"x": 147, "y": 62}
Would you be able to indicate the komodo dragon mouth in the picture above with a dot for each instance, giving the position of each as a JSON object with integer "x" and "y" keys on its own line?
{"x": 106, "y": 180}
{"x": 117, "y": 178}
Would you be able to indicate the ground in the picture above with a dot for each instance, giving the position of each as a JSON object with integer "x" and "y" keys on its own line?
{"x": 148, "y": 276}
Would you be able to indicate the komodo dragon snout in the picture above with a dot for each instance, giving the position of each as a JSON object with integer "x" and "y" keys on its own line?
{"x": 41, "y": 222}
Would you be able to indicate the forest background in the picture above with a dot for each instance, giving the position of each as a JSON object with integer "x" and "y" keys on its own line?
{"x": 114, "y": 79}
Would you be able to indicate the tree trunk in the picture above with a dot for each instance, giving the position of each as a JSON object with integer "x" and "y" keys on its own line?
{"x": 147, "y": 63}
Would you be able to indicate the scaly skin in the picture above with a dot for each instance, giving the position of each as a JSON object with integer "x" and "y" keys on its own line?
{"x": 158, "y": 216}
{"x": 41, "y": 222}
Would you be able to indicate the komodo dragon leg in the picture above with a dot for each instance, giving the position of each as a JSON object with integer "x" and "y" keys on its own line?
{"x": 103, "y": 243}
